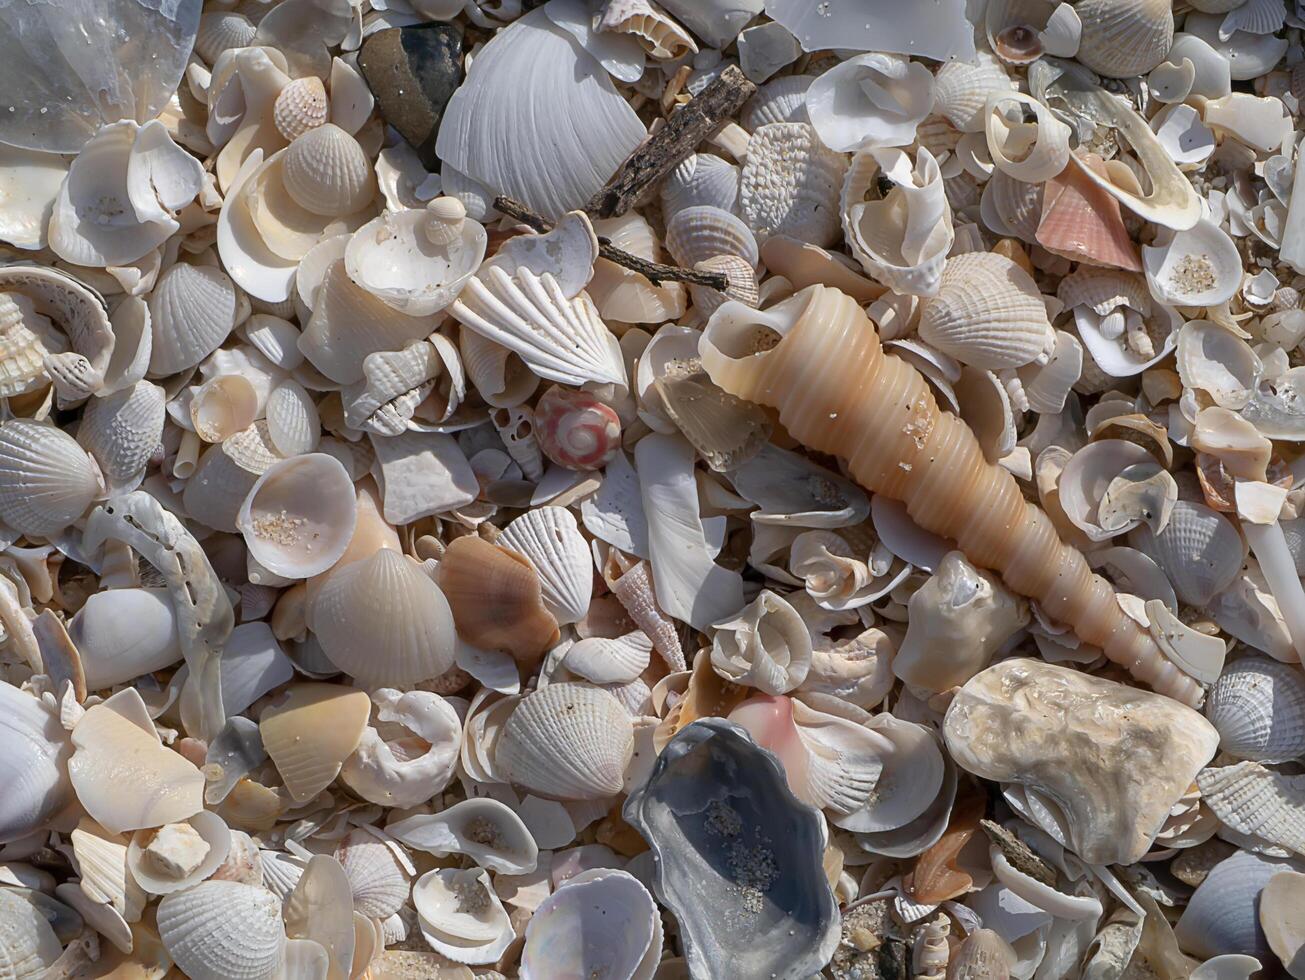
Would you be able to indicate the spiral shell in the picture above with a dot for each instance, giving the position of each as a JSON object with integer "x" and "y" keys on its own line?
{"x": 576, "y": 430}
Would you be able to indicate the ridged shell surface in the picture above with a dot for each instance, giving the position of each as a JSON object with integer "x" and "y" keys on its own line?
{"x": 791, "y": 183}
{"x": 1221, "y": 916}
{"x": 222, "y": 30}
{"x": 988, "y": 313}
{"x": 781, "y": 100}
{"x": 703, "y": 232}
{"x": 26, "y": 338}
{"x": 47, "y": 481}
{"x": 123, "y": 429}
{"x": 28, "y": 946}
{"x": 192, "y": 310}
{"x": 379, "y": 883}
{"x": 1125, "y": 38}
{"x": 550, "y": 539}
{"x": 1258, "y": 706}
{"x": 1199, "y": 550}
{"x": 301, "y": 106}
{"x": 701, "y": 180}
{"x": 326, "y": 172}
{"x": 223, "y": 930}
{"x": 1012, "y": 207}
{"x": 568, "y": 742}
{"x": 1258, "y": 802}
{"x": 961, "y": 90}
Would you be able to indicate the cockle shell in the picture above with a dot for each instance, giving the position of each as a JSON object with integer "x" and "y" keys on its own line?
{"x": 1258, "y": 803}
{"x": 1258, "y": 706}
{"x": 221, "y": 30}
{"x": 576, "y": 429}
{"x": 1011, "y": 207}
{"x": 1124, "y": 38}
{"x": 223, "y": 929}
{"x": 403, "y": 770}
{"x": 489, "y": 832}
{"x": 122, "y": 430}
{"x": 302, "y": 105}
{"x": 766, "y": 646}
{"x": 790, "y": 184}
{"x": 550, "y": 539}
{"x": 47, "y": 481}
{"x": 961, "y": 90}
{"x": 192, "y": 310}
{"x": 299, "y": 516}
{"x": 1199, "y": 550}
{"x": 868, "y": 100}
{"x": 310, "y": 731}
{"x": 704, "y": 180}
{"x": 37, "y": 779}
{"x": 378, "y": 872}
{"x": 701, "y": 232}
{"x": 327, "y": 172}
{"x": 567, "y": 741}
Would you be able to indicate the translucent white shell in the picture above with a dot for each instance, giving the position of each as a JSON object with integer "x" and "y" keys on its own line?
{"x": 192, "y": 310}
{"x": 299, "y": 515}
{"x": 550, "y": 539}
{"x": 223, "y": 929}
{"x": 1258, "y": 706}
{"x": 157, "y": 870}
{"x": 47, "y": 481}
{"x": 37, "y": 778}
{"x": 869, "y": 100}
{"x": 1197, "y": 267}
{"x": 309, "y": 731}
{"x": 790, "y": 184}
{"x": 378, "y": 872}
{"x": 489, "y": 832}
{"x": 562, "y": 938}
{"x": 461, "y": 916}
{"x": 122, "y": 634}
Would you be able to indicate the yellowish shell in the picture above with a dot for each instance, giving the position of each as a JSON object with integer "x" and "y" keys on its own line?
{"x": 301, "y": 106}
{"x": 326, "y": 172}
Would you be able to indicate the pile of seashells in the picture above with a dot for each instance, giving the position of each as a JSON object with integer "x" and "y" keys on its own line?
{"x": 600, "y": 489}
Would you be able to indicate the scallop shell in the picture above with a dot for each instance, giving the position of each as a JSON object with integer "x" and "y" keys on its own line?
{"x": 703, "y": 232}
{"x": 1258, "y": 706}
{"x": 310, "y": 731}
{"x": 961, "y": 90}
{"x": 550, "y": 539}
{"x": 377, "y": 874}
{"x": 101, "y": 859}
{"x": 192, "y": 310}
{"x": 223, "y": 929}
{"x": 1257, "y": 802}
{"x": 491, "y": 833}
{"x": 299, "y": 516}
{"x": 1125, "y": 38}
{"x": 1012, "y": 207}
{"x": 122, "y": 430}
{"x": 988, "y": 313}
{"x": 302, "y": 105}
{"x": 47, "y": 481}
{"x": 327, "y": 172}
{"x": 780, "y": 100}
{"x": 293, "y": 424}
{"x": 790, "y": 184}
{"x": 1199, "y": 550}
{"x": 618, "y": 660}
{"x": 28, "y": 946}
{"x": 567, "y": 741}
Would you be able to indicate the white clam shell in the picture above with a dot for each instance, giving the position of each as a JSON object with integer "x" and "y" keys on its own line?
{"x": 460, "y": 916}
{"x": 489, "y": 832}
{"x": 122, "y": 430}
{"x": 124, "y": 633}
{"x": 1248, "y": 55}
{"x": 911, "y": 779}
{"x": 299, "y": 516}
{"x": 1199, "y": 550}
{"x": 618, "y": 660}
{"x": 327, "y": 172}
{"x": 781, "y": 99}
{"x": 382, "y": 769}
{"x": 790, "y": 184}
{"x": 612, "y": 905}
{"x": 163, "y": 879}
{"x": 696, "y": 234}
{"x": 767, "y": 646}
{"x": 223, "y": 406}
{"x": 550, "y": 539}
{"x": 962, "y": 88}
{"x": 223, "y": 929}
{"x": 300, "y": 106}
{"x": 627, "y": 296}
{"x": 1258, "y": 706}
{"x": 37, "y": 779}
{"x": 1197, "y": 267}
{"x": 47, "y": 481}
{"x": 192, "y": 310}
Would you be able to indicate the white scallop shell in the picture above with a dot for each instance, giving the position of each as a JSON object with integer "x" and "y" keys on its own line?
{"x": 1125, "y": 38}
{"x": 1010, "y": 207}
{"x": 1199, "y": 550}
{"x": 378, "y": 872}
{"x": 487, "y": 831}
{"x": 567, "y": 741}
{"x": 327, "y": 172}
{"x": 1258, "y": 706}
{"x": 28, "y": 946}
{"x": 223, "y": 929}
{"x": 550, "y": 539}
{"x": 703, "y": 232}
{"x": 618, "y": 660}
{"x": 790, "y": 184}
{"x": 299, "y": 516}
{"x": 781, "y": 99}
{"x": 122, "y": 430}
{"x": 160, "y": 878}
{"x": 192, "y": 310}
{"x": 1257, "y": 802}
{"x": 961, "y": 90}
{"x": 101, "y": 859}
{"x": 47, "y": 481}
{"x": 869, "y": 100}
{"x": 293, "y": 424}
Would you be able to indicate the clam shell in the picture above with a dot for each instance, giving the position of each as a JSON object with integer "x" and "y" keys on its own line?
{"x": 124, "y": 633}
{"x": 1012, "y": 207}
{"x": 37, "y": 778}
{"x": 222, "y": 30}
{"x": 460, "y": 915}
{"x": 302, "y": 105}
{"x": 790, "y": 184}
{"x": 1081, "y": 222}
{"x": 327, "y": 172}
{"x": 192, "y": 310}
{"x": 703, "y": 232}
{"x": 1197, "y": 267}
{"x": 1199, "y": 550}
{"x": 225, "y": 475}
{"x": 1125, "y": 38}
{"x": 1221, "y": 916}
{"x": 612, "y": 916}
{"x": 627, "y": 296}
{"x": 567, "y": 741}
{"x": 293, "y": 423}
{"x": 223, "y": 406}
{"x": 223, "y": 929}
{"x": 961, "y": 90}
{"x": 47, "y": 481}
{"x": 1258, "y": 706}
{"x": 780, "y": 100}
{"x": 377, "y": 875}
{"x": 299, "y": 516}
{"x": 122, "y": 430}
{"x": 610, "y": 661}
{"x": 549, "y": 538}
{"x": 487, "y": 831}
{"x": 310, "y": 731}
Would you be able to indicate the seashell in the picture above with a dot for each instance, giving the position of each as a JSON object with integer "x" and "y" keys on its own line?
{"x": 914, "y": 775}
{"x": 1012, "y": 207}
{"x": 702, "y": 180}
{"x": 394, "y": 258}
{"x": 499, "y": 375}
{"x": 460, "y": 915}
{"x": 550, "y": 540}
{"x": 47, "y": 481}
{"x": 1101, "y": 476}
{"x": 834, "y": 577}
{"x": 633, "y": 587}
{"x": 988, "y": 313}
{"x": 1258, "y": 707}
{"x": 610, "y": 904}
{"x": 299, "y": 516}
{"x": 1246, "y": 55}
{"x": 225, "y": 475}
{"x": 495, "y": 596}
{"x": 122, "y": 430}
{"x": 192, "y": 311}
{"x": 1198, "y": 267}
{"x": 1221, "y": 915}
{"x": 1014, "y": 29}
{"x": 124, "y": 776}
{"x": 1081, "y": 222}
{"x": 327, "y": 173}
{"x": 660, "y": 36}
{"x": 124, "y": 633}
{"x": 293, "y": 424}
{"x": 487, "y": 831}
{"x": 223, "y": 929}
{"x": 780, "y": 100}
{"x": 741, "y": 277}
{"x": 1031, "y": 152}
{"x": 701, "y": 232}
{"x": 959, "y": 608}
{"x": 300, "y": 106}
{"x": 790, "y": 184}
{"x": 1125, "y": 38}
{"x": 394, "y": 384}
{"x": 179, "y": 855}
{"x": 423, "y": 473}
{"x": 766, "y": 647}
{"x": 567, "y": 741}
{"x": 576, "y": 430}
{"x": 223, "y": 406}
{"x": 377, "y": 874}
{"x": 1257, "y": 803}
{"x": 27, "y": 338}
{"x": 405, "y": 770}
{"x": 1180, "y": 130}
{"x": 902, "y": 238}
{"x": 627, "y": 296}
{"x": 618, "y": 660}
{"x": 868, "y": 100}
{"x": 983, "y": 955}
{"x": 961, "y": 90}
{"x": 792, "y": 927}
{"x": 310, "y": 731}
{"x": 516, "y": 427}
{"x": 1280, "y": 904}
{"x": 1200, "y": 551}
{"x": 222, "y": 30}
{"x": 37, "y": 778}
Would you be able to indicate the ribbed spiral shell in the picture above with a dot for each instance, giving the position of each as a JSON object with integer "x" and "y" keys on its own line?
{"x": 1125, "y": 38}
{"x": 223, "y": 930}
{"x": 568, "y": 742}
{"x": 301, "y": 106}
{"x": 47, "y": 481}
{"x": 326, "y": 172}
{"x": 1258, "y": 706}
{"x": 1199, "y": 551}
{"x": 837, "y": 392}
{"x": 988, "y": 313}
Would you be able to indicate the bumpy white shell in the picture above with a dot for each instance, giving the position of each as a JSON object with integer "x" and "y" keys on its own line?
{"x": 192, "y": 310}
{"x": 550, "y": 539}
{"x": 122, "y": 430}
{"x": 327, "y": 172}
{"x": 790, "y": 184}
{"x": 47, "y": 481}
{"x": 1257, "y": 802}
{"x": 567, "y": 741}
{"x": 28, "y": 946}
{"x": 1258, "y": 706}
{"x": 220, "y": 930}
{"x": 1199, "y": 550}
{"x": 301, "y": 106}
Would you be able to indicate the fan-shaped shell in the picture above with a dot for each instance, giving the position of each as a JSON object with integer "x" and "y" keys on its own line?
{"x": 1199, "y": 550}
{"x": 1125, "y": 38}
{"x": 1011, "y": 207}
{"x": 790, "y": 184}
{"x": 47, "y": 481}
{"x": 378, "y": 877}
{"x": 28, "y": 946}
{"x": 961, "y": 90}
{"x": 222, "y": 30}
{"x": 223, "y": 930}
{"x": 988, "y": 313}
{"x": 122, "y": 430}
{"x": 310, "y": 731}
{"x": 301, "y": 106}
{"x": 549, "y": 538}
{"x": 568, "y": 741}
{"x": 703, "y": 232}
{"x": 293, "y": 423}
{"x": 192, "y": 310}
{"x": 1258, "y": 706}
{"x": 1221, "y": 915}
{"x": 701, "y": 180}
{"x": 327, "y": 172}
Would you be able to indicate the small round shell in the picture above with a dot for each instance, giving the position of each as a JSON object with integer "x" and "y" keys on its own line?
{"x": 328, "y": 173}
{"x": 301, "y": 106}
{"x": 1258, "y": 706}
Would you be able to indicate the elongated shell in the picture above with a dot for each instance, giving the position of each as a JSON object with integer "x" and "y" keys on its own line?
{"x": 47, "y": 481}
{"x": 837, "y": 392}
{"x": 223, "y": 930}
{"x": 192, "y": 310}
{"x": 487, "y": 831}
{"x": 550, "y": 539}
{"x": 1258, "y": 706}
{"x": 1125, "y": 38}
{"x": 568, "y": 742}
{"x": 988, "y": 313}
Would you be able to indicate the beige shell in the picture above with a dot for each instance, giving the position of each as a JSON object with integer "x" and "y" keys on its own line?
{"x": 222, "y": 30}
{"x": 122, "y": 430}
{"x": 489, "y": 832}
{"x": 1125, "y": 38}
{"x": 102, "y": 863}
{"x": 223, "y": 929}
{"x": 223, "y": 406}
{"x": 1011, "y": 207}
{"x": 192, "y": 310}
{"x": 791, "y": 183}
{"x": 662, "y": 37}
{"x": 301, "y": 106}
{"x": 225, "y": 475}
{"x": 299, "y": 517}
{"x": 567, "y": 741}
{"x": 498, "y": 374}
{"x": 28, "y": 946}
{"x": 378, "y": 872}
{"x": 327, "y": 172}
{"x": 704, "y": 232}
{"x": 181, "y": 855}
{"x": 988, "y": 313}
{"x": 766, "y": 646}
{"x": 1258, "y": 802}
{"x": 47, "y": 481}
{"x": 961, "y": 90}
{"x": 310, "y": 731}
{"x": 26, "y": 339}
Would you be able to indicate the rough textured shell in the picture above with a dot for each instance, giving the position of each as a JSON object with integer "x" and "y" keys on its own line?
{"x": 123, "y": 429}
{"x": 26, "y": 338}
{"x": 301, "y": 106}
{"x": 223, "y": 930}
{"x": 567, "y": 741}
{"x": 550, "y": 539}
{"x": 1125, "y": 38}
{"x": 47, "y": 481}
{"x": 1199, "y": 550}
{"x": 326, "y": 172}
{"x": 961, "y": 89}
{"x": 790, "y": 184}
{"x": 1258, "y": 706}
{"x": 1260, "y": 803}
{"x": 988, "y": 313}
{"x": 192, "y": 310}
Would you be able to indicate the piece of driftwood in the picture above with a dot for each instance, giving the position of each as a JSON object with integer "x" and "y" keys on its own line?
{"x": 655, "y": 272}
{"x": 662, "y": 152}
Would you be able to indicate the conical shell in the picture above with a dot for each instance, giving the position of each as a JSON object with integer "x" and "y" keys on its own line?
{"x": 384, "y": 622}
{"x": 1199, "y": 550}
{"x": 310, "y": 732}
{"x": 301, "y": 106}
{"x": 988, "y": 313}
{"x": 790, "y": 184}
{"x": 567, "y": 741}
{"x": 377, "y": 876}
{"x": 123, "y": 429}
{"x": 192, "y": 310}
{"x": 1258, "y": 706}
{"x": 550, "y": 539}
{"x": 47, "y": 481}
{"x": 1125, "y": 38}
{"x": 496, "y": 599}
{"x": 703, "y": 232}
{"x": 223, "y": 930}
{"x": 326, "y": 172}
{"x": 28, "y": 946}
{"x": 26, "y": 339}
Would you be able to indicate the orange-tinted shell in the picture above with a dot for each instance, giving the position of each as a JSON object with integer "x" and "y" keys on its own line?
{"x": 936, "y": 876}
